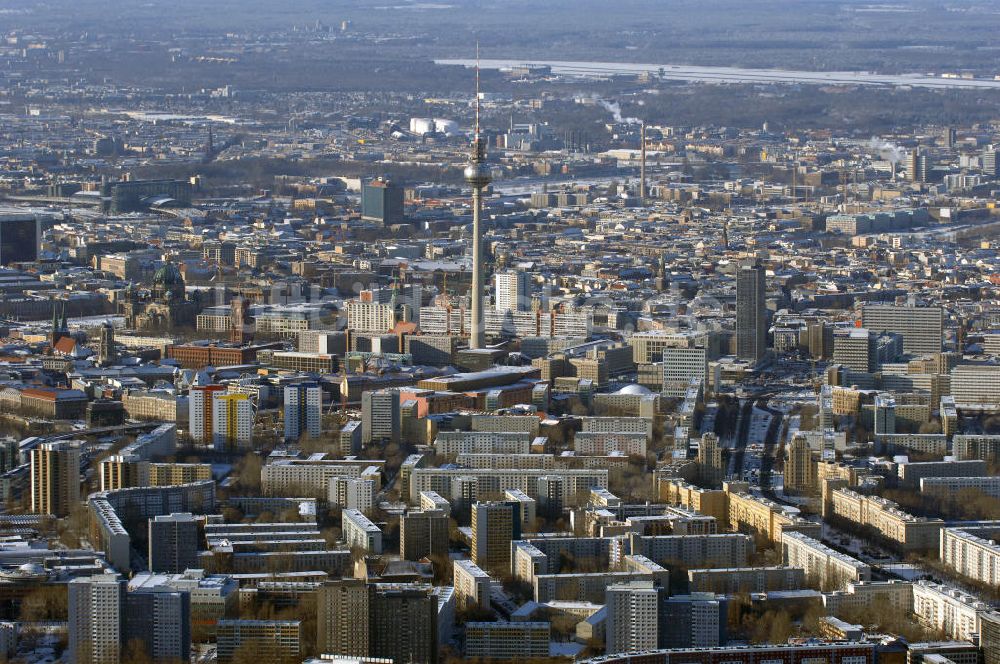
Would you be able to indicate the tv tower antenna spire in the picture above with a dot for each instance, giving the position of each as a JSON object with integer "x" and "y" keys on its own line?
{"x": 477, "y": 90}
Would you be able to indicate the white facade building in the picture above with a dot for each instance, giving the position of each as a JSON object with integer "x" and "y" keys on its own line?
{"x": 633, "y": 617}
{"x": 511, "y": 289}
{"x": 96, "y": 623}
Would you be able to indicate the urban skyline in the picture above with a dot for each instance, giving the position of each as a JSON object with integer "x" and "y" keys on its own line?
{"x": 422, "y": 333}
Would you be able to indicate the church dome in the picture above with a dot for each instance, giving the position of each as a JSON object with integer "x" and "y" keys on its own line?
{"x": 168, "y": 283}
{"x": 168, "y": 275}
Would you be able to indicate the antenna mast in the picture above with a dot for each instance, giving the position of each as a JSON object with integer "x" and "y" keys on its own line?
{"x": 477, "y": 92}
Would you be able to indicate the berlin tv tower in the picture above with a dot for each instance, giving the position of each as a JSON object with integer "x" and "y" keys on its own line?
{"x": 478, "y": 176}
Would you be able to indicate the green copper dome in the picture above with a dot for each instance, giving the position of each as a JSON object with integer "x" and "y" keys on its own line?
{"x": 168, "y": 275}
{"x": 168, "y": 283}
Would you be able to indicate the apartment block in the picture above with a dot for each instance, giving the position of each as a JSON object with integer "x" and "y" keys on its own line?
{"x": 950, "y": 610}
{"x": 988, "y": 485}
{"x": 494, "y": 526}
{"x": 173, "y": 543}
{"x": 986, "y": 448}
{"x": 96, "y": 619}
{"x": 721, "y": 550}
{"x": 973, "y": 551}
{"x": 55, "y": 478}
{"x": 360, "y": 533}
{"x": 423, "y": 533}
{"x": 823, "y": 566}
{"x": 589, "y": 586}
{"x": 449, "y": 482}
{"x": 451, "y": 443}
{"x": 911, "y": 473}
{"x": 342, "y": 617}
{"x": 265, "y": 640}
{"x": 311, "y": 477}
{"x": 472, "y": 585}
{"x": 633, "y": 616}
{"x": 904, "y": 530}
{"x": 507, "y": 641}
{"x": 352, "y": 493}
{"x": 736, "y": 580}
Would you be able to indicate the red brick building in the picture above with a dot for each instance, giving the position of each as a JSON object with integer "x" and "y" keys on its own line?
{"x": 193, "y": 356}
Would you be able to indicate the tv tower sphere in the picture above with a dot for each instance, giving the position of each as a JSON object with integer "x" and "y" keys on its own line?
{"x": 477, "y": 174}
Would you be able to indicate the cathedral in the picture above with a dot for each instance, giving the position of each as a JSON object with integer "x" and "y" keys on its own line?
{"x": 166, "y": 306}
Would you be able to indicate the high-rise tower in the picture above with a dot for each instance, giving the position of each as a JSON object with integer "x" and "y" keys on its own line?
{"x": 106, "y": 353}
{"x": 751, "y": 312}
{"x": 55, "y": 478}
{"x": 800, "y": 472}
{"x": 642, "y": 164}
{"x": 96, "y": 620}
{"x": 478, "y": 176}
{"x": 511, "y": 291}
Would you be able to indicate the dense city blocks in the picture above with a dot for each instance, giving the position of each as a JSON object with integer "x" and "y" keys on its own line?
{"x": 363, "y": 332}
